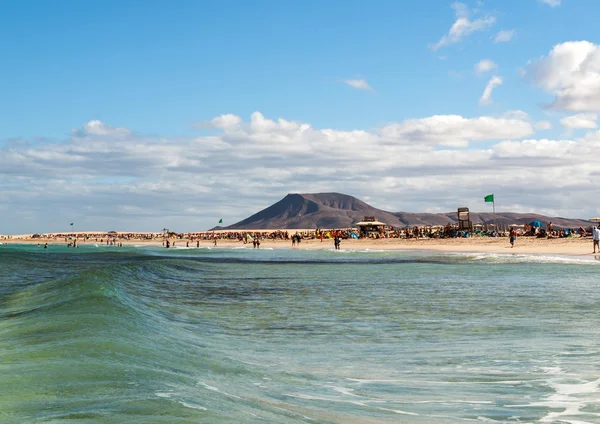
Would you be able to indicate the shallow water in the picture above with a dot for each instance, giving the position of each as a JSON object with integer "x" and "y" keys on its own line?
{"x": 150, "y": 335}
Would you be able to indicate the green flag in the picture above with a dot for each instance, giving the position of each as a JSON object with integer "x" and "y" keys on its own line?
{"x": 221, "y": 221}
{"x": 489, "y": 198}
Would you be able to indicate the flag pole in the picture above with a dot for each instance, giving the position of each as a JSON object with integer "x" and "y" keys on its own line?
{"x": 495, "y": 219}
{"x": 492, "y": 198}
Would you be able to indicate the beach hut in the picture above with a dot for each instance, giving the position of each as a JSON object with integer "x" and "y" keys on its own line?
{"x": 369, "y": 225}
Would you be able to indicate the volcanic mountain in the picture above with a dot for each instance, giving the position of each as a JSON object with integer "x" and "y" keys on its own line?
{"x": 336, "y": 210}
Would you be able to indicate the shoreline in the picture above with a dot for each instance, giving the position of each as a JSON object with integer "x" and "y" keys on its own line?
{"x": 523, "y": 245}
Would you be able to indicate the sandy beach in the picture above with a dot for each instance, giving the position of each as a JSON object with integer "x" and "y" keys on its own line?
{"x": 523, "y": 245}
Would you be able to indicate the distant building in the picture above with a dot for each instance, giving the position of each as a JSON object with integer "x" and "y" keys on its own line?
{"x": 369, "y": 225}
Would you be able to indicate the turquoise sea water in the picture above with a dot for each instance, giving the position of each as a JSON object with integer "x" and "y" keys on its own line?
{"x": 150, "y": 335}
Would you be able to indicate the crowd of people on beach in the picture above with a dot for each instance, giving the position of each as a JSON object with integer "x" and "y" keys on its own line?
{"x": 172, "y": 239}
{"x": 98, "y": 237}
{"x": 416, "y": 232}
{"x": 550, "y": 233}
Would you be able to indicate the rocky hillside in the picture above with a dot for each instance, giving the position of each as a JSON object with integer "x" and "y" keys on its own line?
{"x": 336, "y": 210}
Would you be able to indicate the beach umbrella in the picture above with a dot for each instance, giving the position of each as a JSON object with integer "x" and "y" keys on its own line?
{"x": 536, "y": 224}
{"x": 594, "y": 219}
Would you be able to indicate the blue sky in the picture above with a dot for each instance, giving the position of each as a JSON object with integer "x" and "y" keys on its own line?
{"x": 161, "y": 71}
{"x": 156, "y": 66}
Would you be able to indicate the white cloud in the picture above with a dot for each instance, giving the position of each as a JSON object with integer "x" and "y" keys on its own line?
{"x": 484, "y": 65}
{"x": 551, "y": 3}
{"x": 524, "y": 116}
{"x": 96, "y": 127}
{"x": 542, "y": 125}
{"x": 456, "y": 131}
{"x": 487, "y": 92}
{"x": 226, "y": 122}
{"x": 548, "y": 149}
{"x": 504, "y": 36}
{"x": 582, "y": 120}
{"x": 136, "y": 182}
{"x": 360, "y": 84}
{"x": 570, "y": 72}
{"x": 463, "y": 26}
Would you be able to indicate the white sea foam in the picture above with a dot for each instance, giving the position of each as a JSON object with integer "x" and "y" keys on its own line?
{"x": 553, "y": 370}
{"x": 376, "y": 380}
{"x": 163, "y": 395}
{"x": 446, "y": 417}
{"x": 525, "y": 258}
{"x": 168, "y": 395}
{"x": 206, "y": 386}
{"x": 344, "y": 390}
{"x": 398, "y": 411}
{"x": 189, "y": 405}
{"x": 216, "y": 389}
{"x": 569, "y": 396}
{"x": 251, "y": 414}
{"x": 262, "y": 386}
{"x": 566, "y": 389}
{"x": 358, "y": 250}
{"x": 323, "y": 398}
{"x": 432, "y": 382}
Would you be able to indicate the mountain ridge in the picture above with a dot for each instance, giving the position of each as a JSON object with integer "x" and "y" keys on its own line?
{"x": 337, "y": 210}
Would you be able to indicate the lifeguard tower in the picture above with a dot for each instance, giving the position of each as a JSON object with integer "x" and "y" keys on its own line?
{"x": 464, "y": 220}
